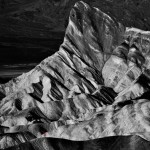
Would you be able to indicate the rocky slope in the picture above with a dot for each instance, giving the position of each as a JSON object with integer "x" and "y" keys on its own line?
{"x": 97, "y": 85}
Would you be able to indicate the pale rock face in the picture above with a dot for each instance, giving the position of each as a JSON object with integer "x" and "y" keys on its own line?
{"x": 89, "y": 89}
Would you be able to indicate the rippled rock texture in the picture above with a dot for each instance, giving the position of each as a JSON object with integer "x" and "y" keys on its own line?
{"x": 95, "y": 86}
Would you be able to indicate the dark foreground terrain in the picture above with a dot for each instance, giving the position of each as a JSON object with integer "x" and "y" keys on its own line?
{"x": 111, "y": 143}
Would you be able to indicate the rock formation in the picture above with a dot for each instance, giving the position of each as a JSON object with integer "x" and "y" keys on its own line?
{"x": 95, "y": 86}
{"x": 38, "y": 26}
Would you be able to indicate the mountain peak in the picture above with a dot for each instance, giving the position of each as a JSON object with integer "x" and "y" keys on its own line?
{"x": 88, "y": 89}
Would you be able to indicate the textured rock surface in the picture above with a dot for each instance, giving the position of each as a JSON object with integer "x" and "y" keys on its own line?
{"x": 75, "y": 90}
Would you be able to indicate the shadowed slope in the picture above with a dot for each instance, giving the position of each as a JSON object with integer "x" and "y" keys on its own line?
{"x": 110, "y": 143}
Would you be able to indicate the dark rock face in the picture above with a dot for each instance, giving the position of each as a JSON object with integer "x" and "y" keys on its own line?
{"x": 90, "y": 89}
